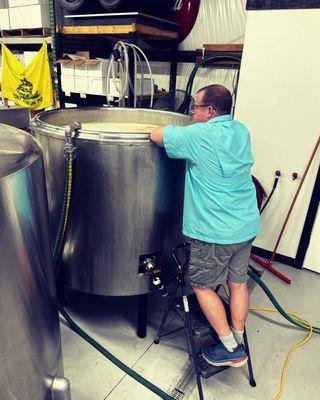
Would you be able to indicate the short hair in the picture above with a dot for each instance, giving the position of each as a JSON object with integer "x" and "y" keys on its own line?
{"x": 218, "y": 97}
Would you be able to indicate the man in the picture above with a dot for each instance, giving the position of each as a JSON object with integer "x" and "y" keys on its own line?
{"x": 220, "y": 216}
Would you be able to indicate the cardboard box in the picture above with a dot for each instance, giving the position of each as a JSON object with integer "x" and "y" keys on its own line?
{"x": 67, "y": 68}
{"x": 67, "y": 83}
{"x": 97, "y": 86}
{"x": 81, "y": 84}
{"x": 83, "y": 65}
{"x": 20, "y": 3}
{"x": 98, "y": 69}
{"x": 29, "y": 17}
{"x": 80, "y": 69}
{"x": 4, "y": 19}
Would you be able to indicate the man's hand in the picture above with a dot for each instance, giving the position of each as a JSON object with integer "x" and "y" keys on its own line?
{"x": 156, "y": 136}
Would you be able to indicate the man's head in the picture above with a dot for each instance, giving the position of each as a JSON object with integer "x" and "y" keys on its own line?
{"x": 210, "y": 102}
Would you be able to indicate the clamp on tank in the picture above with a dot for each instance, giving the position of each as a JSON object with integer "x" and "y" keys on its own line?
{"x": 71, "y": 132}
{"x": 151, "y": 268}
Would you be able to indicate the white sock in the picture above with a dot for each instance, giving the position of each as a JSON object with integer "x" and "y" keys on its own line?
{"x": 238, "y": 335}
{"x": 229, "y": 342}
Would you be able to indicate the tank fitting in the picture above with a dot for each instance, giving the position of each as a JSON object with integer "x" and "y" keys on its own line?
{"x": 71, "y": 132}
{"x": 60, "y": 389}
{"x": 149, "y": 265}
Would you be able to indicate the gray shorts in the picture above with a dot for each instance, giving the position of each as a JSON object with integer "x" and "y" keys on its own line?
{"x": 212, "y": 264}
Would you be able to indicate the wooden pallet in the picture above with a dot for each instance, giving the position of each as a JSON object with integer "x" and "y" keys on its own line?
{"x": 32, "y": 32}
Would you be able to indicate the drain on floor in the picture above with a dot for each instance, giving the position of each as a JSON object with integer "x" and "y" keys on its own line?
{"x": 186, "y": 384}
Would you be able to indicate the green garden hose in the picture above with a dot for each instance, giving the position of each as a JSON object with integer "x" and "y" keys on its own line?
{"x": 112, "y": 358}
{"x": 277, "y": 305}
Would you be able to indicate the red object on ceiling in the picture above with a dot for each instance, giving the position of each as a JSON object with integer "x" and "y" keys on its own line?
{"x": 184, "y": 13}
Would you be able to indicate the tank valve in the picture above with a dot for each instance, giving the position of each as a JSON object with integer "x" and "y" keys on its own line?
{"x": 149, "y": 265}
{"x": 60, "y": 389}
{"x": 71, "y": 132}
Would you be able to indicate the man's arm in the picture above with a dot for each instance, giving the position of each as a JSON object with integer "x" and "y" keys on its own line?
{"x": 156, "y": 136}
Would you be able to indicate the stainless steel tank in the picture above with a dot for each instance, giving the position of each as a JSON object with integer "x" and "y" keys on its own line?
{"x": 30, "y": 347}
{"x": 127, "y": 198}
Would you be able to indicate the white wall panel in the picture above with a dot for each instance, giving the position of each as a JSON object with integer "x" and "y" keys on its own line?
{"x": 279, "y": 100}
{"x": 218, "y": 21}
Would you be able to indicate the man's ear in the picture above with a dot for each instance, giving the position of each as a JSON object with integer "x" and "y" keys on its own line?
{"x": 211, "y": 112}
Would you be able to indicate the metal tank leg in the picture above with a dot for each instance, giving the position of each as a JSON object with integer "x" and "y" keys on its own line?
{"x": 60, "y": 388}
{"x": 142, "y": 315}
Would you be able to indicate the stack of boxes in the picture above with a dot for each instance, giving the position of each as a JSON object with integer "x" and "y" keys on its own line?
{"x": 67, "y": 76}
{"x": 82, "y": 75}
{"x": 91, "y": 77}
{"x": 24, "y": 14}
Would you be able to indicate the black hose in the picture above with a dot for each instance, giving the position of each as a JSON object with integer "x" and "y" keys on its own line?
{"x": 186, "y": 102}
{"x": 275, "y": 183}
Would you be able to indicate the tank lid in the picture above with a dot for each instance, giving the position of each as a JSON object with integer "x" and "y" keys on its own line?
{"x": 18, "y": 149}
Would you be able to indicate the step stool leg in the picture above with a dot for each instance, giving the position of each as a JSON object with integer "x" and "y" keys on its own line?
{"x": 192, "y": 346}
{"x": 250, "y": 369}
{"x": 166, "y": 313}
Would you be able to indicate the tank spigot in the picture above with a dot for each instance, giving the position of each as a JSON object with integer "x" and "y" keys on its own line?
{"x": 71, "y": 132}
{"x": 149, "y": 265}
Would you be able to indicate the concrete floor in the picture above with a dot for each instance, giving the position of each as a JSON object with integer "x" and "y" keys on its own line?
{"x": 111, "y": 321}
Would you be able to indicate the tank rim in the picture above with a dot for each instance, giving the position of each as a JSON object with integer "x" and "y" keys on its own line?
{"x": 58, "y": 131}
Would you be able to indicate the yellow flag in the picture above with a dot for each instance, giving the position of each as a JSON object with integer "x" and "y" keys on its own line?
{"x": 29, "y": 86}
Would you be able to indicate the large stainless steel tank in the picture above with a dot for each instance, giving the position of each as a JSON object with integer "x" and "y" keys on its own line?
{"x": 30, "y": 348}
{"x": 127, "y": 198}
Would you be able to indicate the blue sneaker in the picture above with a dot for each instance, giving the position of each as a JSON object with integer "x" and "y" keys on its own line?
{"x": 219, "y": 356}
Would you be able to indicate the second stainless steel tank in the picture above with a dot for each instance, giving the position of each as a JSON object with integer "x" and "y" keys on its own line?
{"x": 30, "y": 348}
{"x": 127, "y": 197}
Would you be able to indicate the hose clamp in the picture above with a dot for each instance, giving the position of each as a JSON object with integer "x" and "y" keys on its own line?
{"x": 71, "y": 132}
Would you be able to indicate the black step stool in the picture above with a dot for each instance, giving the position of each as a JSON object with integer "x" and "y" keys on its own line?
{"x": 198, "y": 330}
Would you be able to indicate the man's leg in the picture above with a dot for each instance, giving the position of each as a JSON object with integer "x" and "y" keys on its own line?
{"x": 205, "y": 270}
{"x": 237, "y": 282}
{"x": 213, "y": 309}
{"x": 228, "y": 353}
{"x": 239, "y": 304}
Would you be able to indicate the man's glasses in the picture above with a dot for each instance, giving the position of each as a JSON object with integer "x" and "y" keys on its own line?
{"x": 197, "y": 106}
